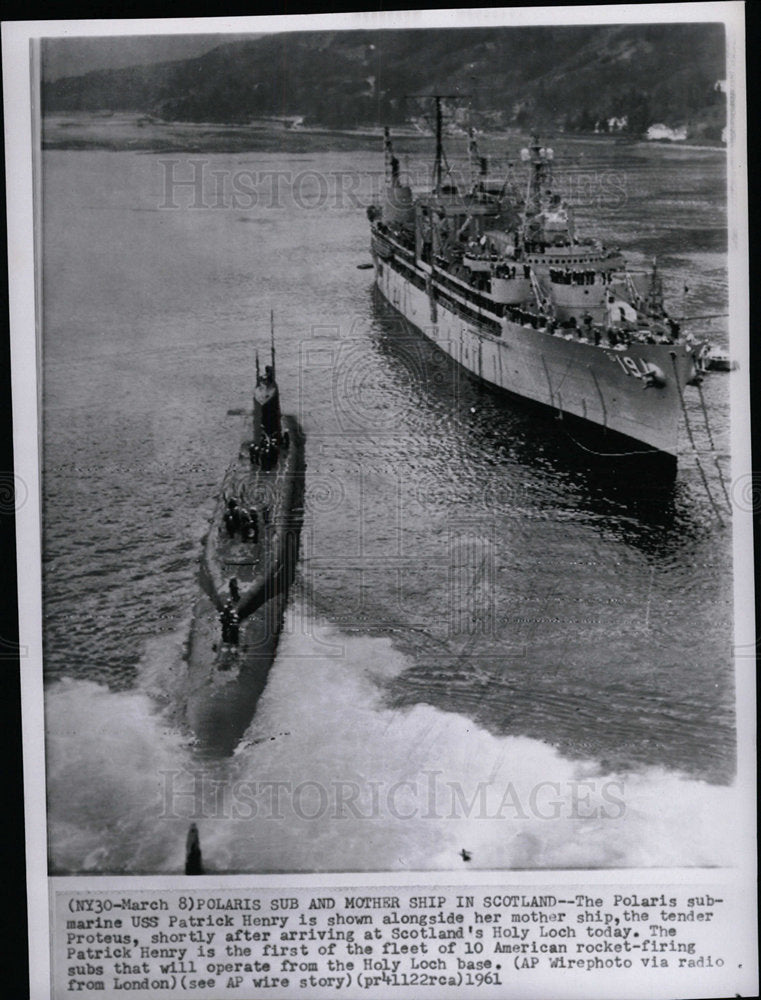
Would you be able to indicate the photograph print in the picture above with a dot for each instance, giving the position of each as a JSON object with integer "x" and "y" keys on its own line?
{"x": 389, "y": 477}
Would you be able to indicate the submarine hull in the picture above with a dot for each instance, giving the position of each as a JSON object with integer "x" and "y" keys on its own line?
{"x": 224, "y": 683}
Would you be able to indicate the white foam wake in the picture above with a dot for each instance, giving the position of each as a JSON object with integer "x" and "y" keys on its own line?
{"x": 361, "y": 786}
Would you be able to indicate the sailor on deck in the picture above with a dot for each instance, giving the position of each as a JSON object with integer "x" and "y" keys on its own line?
{"x": 232, "y": 516}
{"x": 230, "y": 625}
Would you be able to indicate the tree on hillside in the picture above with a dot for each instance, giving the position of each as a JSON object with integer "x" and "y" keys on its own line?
{"x": 582, "y": 120}
{"x": 636, "y": 107}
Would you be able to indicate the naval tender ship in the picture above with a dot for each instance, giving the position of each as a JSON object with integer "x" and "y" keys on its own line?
{"x": 498, "y": 279}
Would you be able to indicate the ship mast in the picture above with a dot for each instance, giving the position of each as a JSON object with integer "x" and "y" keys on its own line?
{"x": 540, "y": 177}
{"x": 439, "y": 148}
{"x": 654, "y": 299}
{"x": 440, "y": 158}
{"x": 272, "y": 341}
{"x": 392, "y": 164}
{"x": 539, "y": 181}
{"x": 474, "y": 157}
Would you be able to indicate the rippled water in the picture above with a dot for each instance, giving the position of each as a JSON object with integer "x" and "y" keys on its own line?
{"x": 476, "y": 594}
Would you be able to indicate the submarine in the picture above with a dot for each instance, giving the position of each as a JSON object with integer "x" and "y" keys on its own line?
{"x": 247, "y": 565}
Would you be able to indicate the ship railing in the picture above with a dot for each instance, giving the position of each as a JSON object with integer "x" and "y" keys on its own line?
{"x": 575, "y": 276}
{"x": 392, "y": 240}
{"x": 508, "y": 271}
{"x": 490, "y": 256}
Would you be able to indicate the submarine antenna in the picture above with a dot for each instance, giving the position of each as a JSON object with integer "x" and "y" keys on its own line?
{"x": 193, "y": 857}
{"x": 272, "y": 336}
{"x": 257, "y": 367}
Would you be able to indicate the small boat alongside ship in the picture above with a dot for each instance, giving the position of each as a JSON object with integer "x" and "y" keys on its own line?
{"x": 247, "y": 565}
{"x": 718, "y": 361}
{"x": 497, "y": 277}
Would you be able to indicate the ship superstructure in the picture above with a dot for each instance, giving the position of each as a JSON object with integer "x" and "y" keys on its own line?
{"x": 498, "y": 278}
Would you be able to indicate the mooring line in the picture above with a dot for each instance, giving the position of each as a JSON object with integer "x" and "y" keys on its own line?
{"x": 713, "y": 447}
{"x": 692, "y": 441}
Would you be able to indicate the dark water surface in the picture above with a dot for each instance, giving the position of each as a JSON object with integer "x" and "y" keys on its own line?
{"x": 477, "y": 596}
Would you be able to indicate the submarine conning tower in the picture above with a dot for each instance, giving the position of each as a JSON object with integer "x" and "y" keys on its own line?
{"x": 267, "y": 422}
{"x": 268, "y": 426}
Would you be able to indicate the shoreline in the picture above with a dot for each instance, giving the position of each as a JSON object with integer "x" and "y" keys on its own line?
{"x": 131, "y": 132}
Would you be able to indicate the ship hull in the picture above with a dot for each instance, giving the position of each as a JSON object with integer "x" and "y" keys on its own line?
{"x": 604, "y": 387}
{"x": 223, "y": 684}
